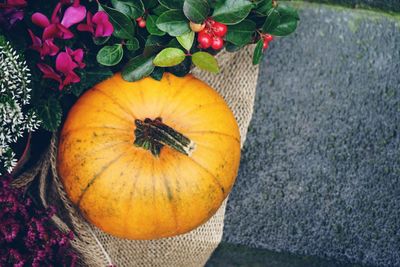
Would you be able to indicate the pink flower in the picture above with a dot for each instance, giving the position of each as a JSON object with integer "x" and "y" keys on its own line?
{"x": 74, "y": 14}
{"x": 66, "y": 62}
{"x": 14, "y": 3}
{"x": 99, "y": 24}
{"x": 46, "y": 47}
{"x": 77, "y": 56}
{"x": 57, "y": 28}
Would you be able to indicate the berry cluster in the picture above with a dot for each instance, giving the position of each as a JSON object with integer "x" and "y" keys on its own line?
{"x": 141, "y": 22}
{"x": 267, "y": 38}
{"x": 210, "y": 34}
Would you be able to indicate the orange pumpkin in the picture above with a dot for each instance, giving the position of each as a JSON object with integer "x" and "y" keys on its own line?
{"x": 149, "y": 159}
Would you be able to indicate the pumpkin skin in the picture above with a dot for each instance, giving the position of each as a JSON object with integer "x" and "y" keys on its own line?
{"x": 127, "y": 191}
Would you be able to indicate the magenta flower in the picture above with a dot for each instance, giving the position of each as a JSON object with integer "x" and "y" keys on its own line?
{"x": 46, "y": 47}
{"x": 57, "y": 27}
{"x": 10, "y": 12}
{"x": 66, "y": 63}
{"x": 99, "y": 24}
{"x": 74, "y": 14}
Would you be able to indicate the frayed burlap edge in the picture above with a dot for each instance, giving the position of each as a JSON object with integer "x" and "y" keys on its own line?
{"x": 237, "y": 84}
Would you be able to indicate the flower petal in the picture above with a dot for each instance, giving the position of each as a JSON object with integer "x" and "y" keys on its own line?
{"x": 64, "y": 63}
{"x": 49, "y": 72}
{"x": 40, "y": 20}
{"x": 73, "y": 15}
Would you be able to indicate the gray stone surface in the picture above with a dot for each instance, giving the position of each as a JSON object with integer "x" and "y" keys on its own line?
{"x": 388, "y": 5}
{"x": 320, "y": 172}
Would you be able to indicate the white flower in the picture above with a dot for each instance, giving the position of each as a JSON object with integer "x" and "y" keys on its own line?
{"x": 15, "y": 119}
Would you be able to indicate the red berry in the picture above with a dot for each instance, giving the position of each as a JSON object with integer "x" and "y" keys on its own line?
{"x": 204, "y": 39}
{"x": 219, "y": 29}
{"x": 268, "y": 37}
{"x": 139, "y": 19}
{"x": 217, "y": 43}
{"x": 142, "y": 23}
{"x": 265, "y": 44}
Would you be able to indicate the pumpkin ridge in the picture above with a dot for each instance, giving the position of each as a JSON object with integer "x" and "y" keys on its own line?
{"x": 201, "y": 106}
{"x": 94, "y": 127}
{"x": 174, "y": 96}
{"x": 109, "y": 112}
{"x": 96, "y": 89}
{"x": 171, "y": 200}
{"x": 91, "y": 182}
{"x": 210, "y": 173}
{"x": 90, "y": 153}
{"x": 131, "y": 194}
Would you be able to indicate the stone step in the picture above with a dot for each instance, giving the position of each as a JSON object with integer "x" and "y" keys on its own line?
{"x": 320, "y": 170}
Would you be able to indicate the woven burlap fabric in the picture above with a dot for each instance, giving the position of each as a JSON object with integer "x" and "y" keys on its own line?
{"x": 237, "y": 84}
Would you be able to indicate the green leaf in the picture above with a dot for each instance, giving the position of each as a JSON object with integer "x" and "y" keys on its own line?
{"x": 173, "y": 22}
{"x": 132, "y": 45}
{"x": 138, "y": 68}
{"x": 186, "y": 40}
{"x": 49, "y": 112}
{"x": 169, "y": 57}
{"x": 159, "y": 10}
{"x": 288, "y": 21}
{"x": 196, "y": 10}
{"x": 123, "y": 25}
{"x": 90, "y": 77}
{"x": 152, "y": 27}
{"x": 242, "y": 33}
{"x": 133, "y": 9}
{"x": 271, "y": 22}
{"x": 231, "y": 11}
{"x": 258, "y": 52}
{"x": 281, "y": 21}
{"x": 157, "y": 74}
{"x": 100, "y": 40}
{"x": 205, "y": 61}
{"x": 172, "y": 4}
{"x": 263, "y": 7}
{"x": 154, "y": 44}
{"x": 110, "y": 55}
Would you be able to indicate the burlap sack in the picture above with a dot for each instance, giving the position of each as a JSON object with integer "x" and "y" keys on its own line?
{"x": 237, "y": 84}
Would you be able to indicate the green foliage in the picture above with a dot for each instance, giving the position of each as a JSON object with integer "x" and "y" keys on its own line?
{"x": 110, "y": 55}
{"x": 205, "y": 61}
{"x": 166, "y": 44}
{"x": 196, "y": 10}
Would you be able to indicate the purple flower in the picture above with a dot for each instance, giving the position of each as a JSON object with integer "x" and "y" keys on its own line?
{"x": 10, "y": 12}
{"x": 99, "y": 25}
{"x": 66, "y": 63}
{"x": 46, "y": 47}
{"x": 27, "y": 237}
{"x": 57, "y": 27}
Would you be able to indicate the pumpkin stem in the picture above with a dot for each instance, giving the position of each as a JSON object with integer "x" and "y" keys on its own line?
{"x": 154, "y": 135}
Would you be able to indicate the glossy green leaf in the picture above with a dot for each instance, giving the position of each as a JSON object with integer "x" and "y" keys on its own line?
{"x": 205, "y": 61}
{"x": 172, "y": 4}
{"x": 132, "y": 45}
{"x": 263, "y": 7}
{"x": 169, "y": 57}
{"x": 152, "y": 27}
{"x": 258, "y": 52}
{"x": 132, "y": 9}
{"x": 196, "y": 10}
{"x": 123, "y": 25}
{"x": 272, "y": 21}
{"x": 110, "y": 55}
{"x": 232, "y": 11}
{"x": 242, "y": 33}
{"x": 173, "y": 22}
{"x": 287, "y": 22}
{"x": 137, "y": 68}
{"x": 186, "y": 40}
